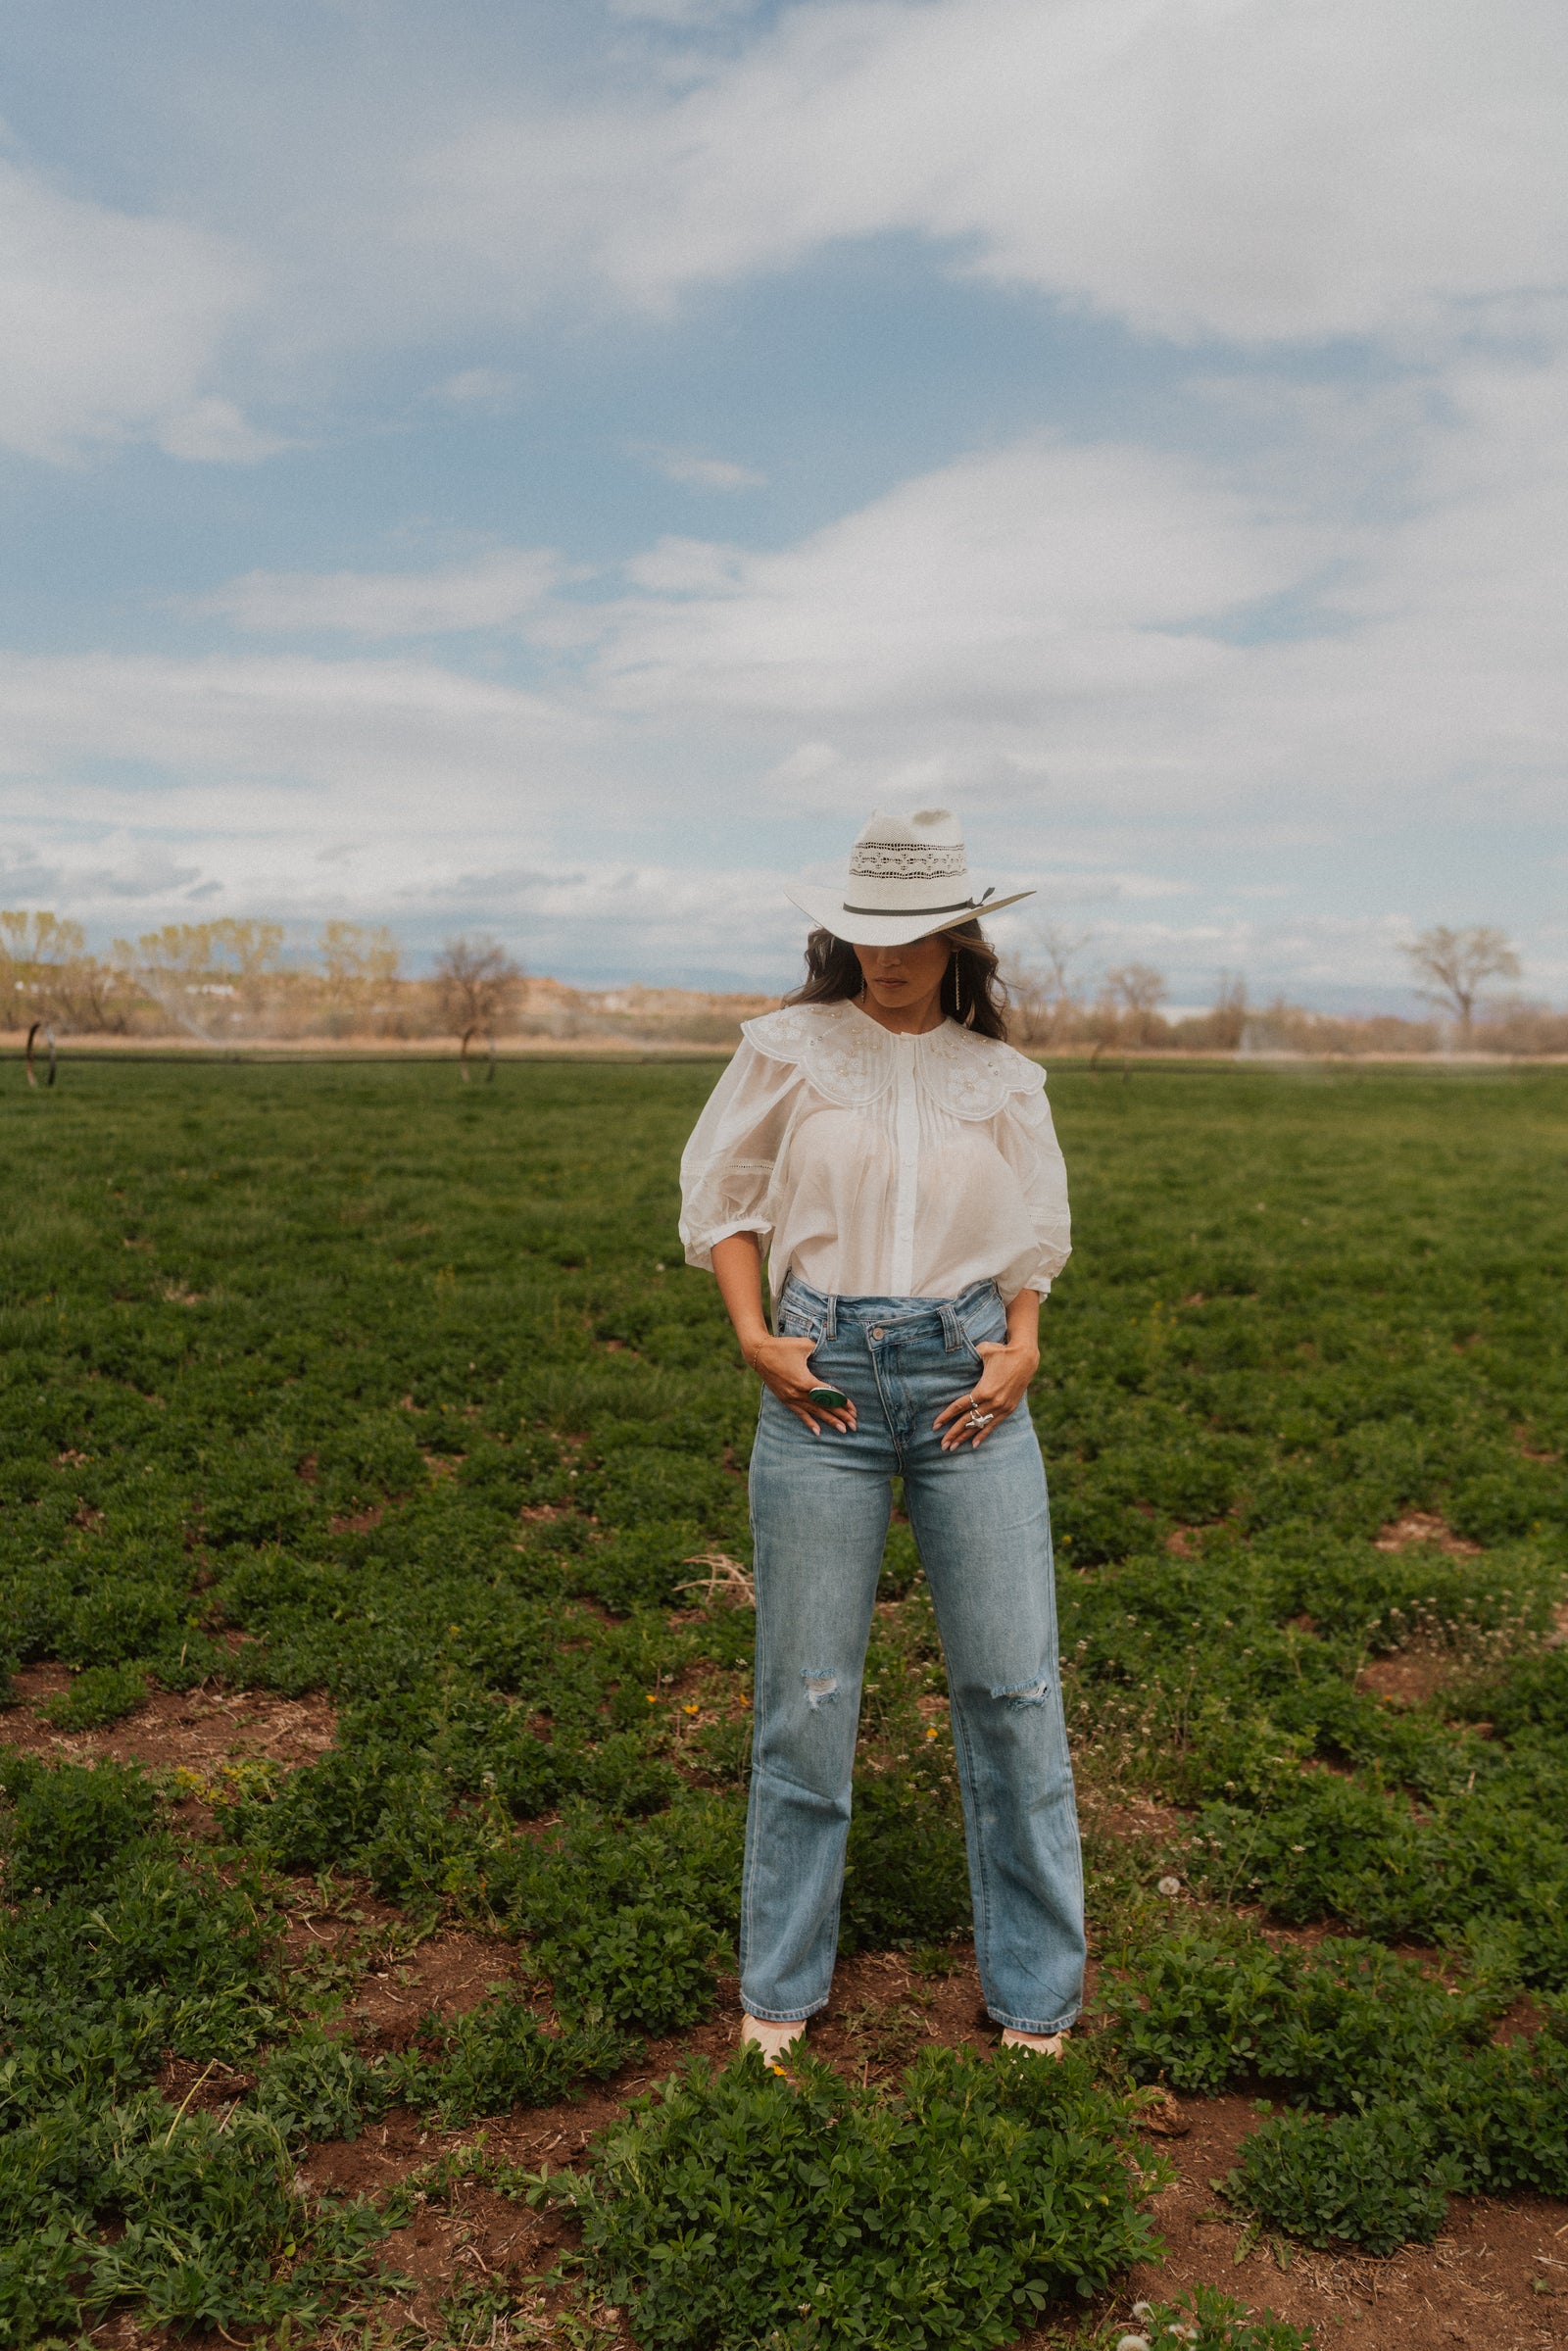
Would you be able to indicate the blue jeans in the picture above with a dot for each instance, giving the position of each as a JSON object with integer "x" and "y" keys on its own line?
{"x": 819, "y": 1511}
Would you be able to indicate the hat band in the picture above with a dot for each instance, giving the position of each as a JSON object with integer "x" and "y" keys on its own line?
{"x": 958, "y": 906}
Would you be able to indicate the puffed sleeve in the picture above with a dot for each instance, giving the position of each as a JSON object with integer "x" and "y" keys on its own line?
{"x": 726, "y": 1170}
{"x": 1027, "y": 1141}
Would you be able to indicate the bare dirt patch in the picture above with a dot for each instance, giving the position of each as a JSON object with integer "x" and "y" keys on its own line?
{"x": 1424, "y": 1526}
{"x": 192, "y": 2088}
{"x": 357, "y": 1522}
{"x": 196, "y": 1730}
{"x": 473, "y": 2237}
{"x": 1408, "y": 1675}
{"x": 447, "y": 1975}
{"x": 1476, "y": 2285}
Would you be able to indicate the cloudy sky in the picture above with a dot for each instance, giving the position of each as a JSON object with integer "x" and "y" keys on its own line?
{"x": 552, "y": 465}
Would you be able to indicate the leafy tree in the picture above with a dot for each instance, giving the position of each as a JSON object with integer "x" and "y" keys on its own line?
{"x": 358, "y": 964}
{"x": 45, "y": 974}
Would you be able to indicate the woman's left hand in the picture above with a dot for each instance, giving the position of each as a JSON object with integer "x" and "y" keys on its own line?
{"x": 1000, "y": 1388}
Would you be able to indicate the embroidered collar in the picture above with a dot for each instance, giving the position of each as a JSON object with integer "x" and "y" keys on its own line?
{"x": 852, "y": 1059}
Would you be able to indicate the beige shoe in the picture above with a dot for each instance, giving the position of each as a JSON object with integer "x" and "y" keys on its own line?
{"x": 1044, "y": 2044}
{"x": 771, "y": 2039}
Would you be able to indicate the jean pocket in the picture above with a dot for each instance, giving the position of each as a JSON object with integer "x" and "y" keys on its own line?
{"x": 792, "y": 1324}
{"x": 986, "y": 1327}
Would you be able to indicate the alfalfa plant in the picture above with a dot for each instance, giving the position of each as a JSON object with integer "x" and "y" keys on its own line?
{"x": 742, "y": 2207}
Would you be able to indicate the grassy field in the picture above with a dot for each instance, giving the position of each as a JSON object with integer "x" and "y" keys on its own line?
{"x": 375, "y": 1420}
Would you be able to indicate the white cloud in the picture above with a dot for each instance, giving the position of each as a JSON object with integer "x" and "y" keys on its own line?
{"x": 693, "y": 14}
{"x": 286, "y": 742}
{"x": 984, "y": 592}
{"x": 112, "y": 325}
{"x": 1344, "y": 166}
{"x": 1073, "y": 628}
{"x": 491, "y": 390}
{"x": 696, "y": 472}
{"x": 491, "y": 590}
{"x": 213, "y": 432}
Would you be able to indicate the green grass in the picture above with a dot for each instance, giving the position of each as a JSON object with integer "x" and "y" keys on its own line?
{"x": 348, "y": 1379}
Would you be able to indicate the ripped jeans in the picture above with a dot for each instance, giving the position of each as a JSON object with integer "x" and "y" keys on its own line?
{"x": 819, "y": 1511}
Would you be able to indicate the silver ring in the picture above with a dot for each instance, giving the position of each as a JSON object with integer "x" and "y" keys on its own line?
{"x": 979, "y": 1420}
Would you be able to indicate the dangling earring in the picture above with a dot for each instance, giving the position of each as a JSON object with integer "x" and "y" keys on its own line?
{"x": 957, "y": 985}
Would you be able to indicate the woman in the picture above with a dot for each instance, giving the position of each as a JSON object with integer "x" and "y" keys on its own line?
{"x": 897, "y": 1159}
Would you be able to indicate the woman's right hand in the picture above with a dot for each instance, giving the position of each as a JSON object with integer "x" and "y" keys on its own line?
{"x": 784, "y": 1365}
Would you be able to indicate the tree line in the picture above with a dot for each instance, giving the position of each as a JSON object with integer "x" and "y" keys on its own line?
{"x": 231, "y": 979}
{"x": 1058, "y": 1005}
{"x": 211, "y": 979}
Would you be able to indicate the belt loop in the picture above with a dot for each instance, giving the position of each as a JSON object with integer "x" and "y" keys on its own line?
{"x": 951, "y": 1329}
{"x": 831, "y": 1329}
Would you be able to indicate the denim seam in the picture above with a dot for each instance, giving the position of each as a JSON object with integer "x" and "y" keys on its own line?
{"x": 748, "y": 1888}
{"x": 887, "y": 1411}
{"x": 754, "y": 1860}
{"x": 980, "y": 1891}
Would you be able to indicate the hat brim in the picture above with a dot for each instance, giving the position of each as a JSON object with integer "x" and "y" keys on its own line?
{"x": 827, "y": 910}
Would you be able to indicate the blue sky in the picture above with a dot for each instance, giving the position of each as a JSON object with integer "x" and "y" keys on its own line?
{"x": 553, "y": 467}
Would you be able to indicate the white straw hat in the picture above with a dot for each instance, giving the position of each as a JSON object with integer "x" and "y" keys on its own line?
{"x": 909, "y": 876}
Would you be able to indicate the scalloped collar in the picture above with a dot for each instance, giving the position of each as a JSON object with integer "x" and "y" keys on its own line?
{"x": 852, "y": 1059}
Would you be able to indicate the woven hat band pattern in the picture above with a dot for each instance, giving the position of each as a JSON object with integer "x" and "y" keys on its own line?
{"x": 907, "y": 860}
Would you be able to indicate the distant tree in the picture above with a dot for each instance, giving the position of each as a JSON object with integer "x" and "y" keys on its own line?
{"x": 1046, "y": 992}
{"x": 359, "y": 966}
{"x": 1138, "y": 986}
{"x": 180, "y": 951}
{"x": 184, "y": 964}
{"x": 251, "y": 949}
{"x": 476, "y": 980}
{"x": 1127, "y": 1012}
{"x": 34, "y": 944}
{"x": 46, "y": 973}
{"x": 1454, "y": 964}
{"x": 1228, "y": 1019}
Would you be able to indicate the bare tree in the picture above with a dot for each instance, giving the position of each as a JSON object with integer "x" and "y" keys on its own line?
{"x": 1127, "y": 1010}
{"x": 475, "y": 979}
{"x": 1046, "y": 993}
{"x": 1139, "y": 986}
{"x": 1228, "y": 1019}
{"x": 1456, "y": 964}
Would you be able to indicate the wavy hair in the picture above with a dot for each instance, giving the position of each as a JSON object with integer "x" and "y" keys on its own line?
{"x": 973, "y": 992}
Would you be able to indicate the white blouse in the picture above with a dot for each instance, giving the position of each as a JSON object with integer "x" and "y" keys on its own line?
{"x": 875, "y": 1166}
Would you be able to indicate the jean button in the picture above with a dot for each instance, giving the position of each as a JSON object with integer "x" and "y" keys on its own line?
{"x": 876, "y": 1330}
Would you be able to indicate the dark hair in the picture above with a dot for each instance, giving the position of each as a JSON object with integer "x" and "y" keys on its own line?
{"x": 972, "y": 989}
